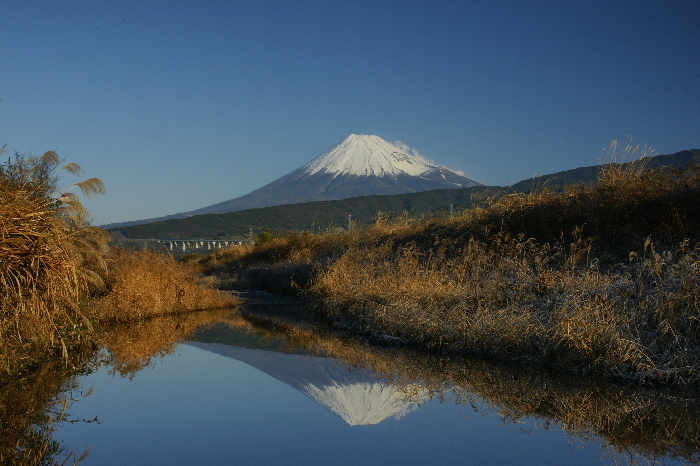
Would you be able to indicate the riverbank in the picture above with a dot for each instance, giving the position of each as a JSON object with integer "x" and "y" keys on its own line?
{"x": 59, "y": 279}
{"x": 602, "y": 280}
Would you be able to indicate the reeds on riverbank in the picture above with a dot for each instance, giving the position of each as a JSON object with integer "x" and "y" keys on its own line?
{"x": 50, "y": 258}
{"x": 602, "y": 279}
{"x": 53, "y": 263}
{"x": 515, "y": 300}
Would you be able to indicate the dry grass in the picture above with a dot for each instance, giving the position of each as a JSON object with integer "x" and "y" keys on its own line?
{"x": 50, "y": 258}
{"x": 601, "y": 279}
{"x": 284, "y": 264}
{"x": 52, "y": 263}
{"x": 144, "y": 284}
{"x": 515, "y": 300}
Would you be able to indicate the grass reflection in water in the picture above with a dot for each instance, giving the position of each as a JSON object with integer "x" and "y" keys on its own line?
{"x": 31, "y": 408}
{"x": 645, "y": 425}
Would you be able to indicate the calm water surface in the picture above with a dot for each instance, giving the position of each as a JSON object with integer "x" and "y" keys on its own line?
{"x": 266, "y": 401}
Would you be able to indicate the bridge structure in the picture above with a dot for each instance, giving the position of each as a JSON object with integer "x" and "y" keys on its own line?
{"x": 178, "y": 245}
{"x": 185, "y": 245}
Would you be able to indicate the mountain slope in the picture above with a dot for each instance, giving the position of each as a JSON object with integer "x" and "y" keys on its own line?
{"x": 360, "y": 165}
{"x": 322, "y": 214}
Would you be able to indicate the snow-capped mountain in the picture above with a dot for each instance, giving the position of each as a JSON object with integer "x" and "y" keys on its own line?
{"x": 360, "y": 165}
{"x": 358, "y": 396}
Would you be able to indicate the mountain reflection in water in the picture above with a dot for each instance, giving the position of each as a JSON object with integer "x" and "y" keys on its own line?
{"x": 358, "y": 396}
{"x": 239, "y": 408}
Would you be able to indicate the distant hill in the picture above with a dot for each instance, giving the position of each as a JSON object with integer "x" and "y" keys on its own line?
{"x": 309, "y": 216}
{"x": 589, "y": 175}
{"x": 322, "y": 215}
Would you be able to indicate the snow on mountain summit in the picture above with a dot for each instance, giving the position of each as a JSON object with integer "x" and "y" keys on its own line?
{"x": 365, "y": 155}
{"x": 361, "y": 165}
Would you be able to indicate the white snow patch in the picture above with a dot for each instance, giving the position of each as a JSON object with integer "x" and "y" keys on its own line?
{"x": 368, "y": 156}
{"x": 364, "y": 403}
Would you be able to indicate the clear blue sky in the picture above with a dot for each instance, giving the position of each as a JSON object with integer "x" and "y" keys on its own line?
{"x": 179, "y": 105}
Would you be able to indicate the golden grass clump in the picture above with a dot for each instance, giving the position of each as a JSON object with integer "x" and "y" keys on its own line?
{"x": 50, "y": 258}
{"x": 145, "y": 283}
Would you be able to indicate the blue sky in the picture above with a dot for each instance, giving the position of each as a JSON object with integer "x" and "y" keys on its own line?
{"x": 180, "y": 105}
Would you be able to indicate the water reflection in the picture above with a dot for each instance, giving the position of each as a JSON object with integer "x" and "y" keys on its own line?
{"x": 132, "y": 347}
{"x": 359, "y": 397}
{"x": 32, "y": 406}
{"x": 368, "y": 387}
{"x": 650, "y": 425}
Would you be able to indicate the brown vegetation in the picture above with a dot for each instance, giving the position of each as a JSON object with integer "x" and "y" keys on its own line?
{"x": 50, "y": 258}
{"x": 145, "y": 284}
{"x": 602, "y": 279}
{"x": 52, "y": 263}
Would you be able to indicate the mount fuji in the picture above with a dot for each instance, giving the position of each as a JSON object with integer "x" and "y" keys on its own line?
{"x": 361, "y": 165}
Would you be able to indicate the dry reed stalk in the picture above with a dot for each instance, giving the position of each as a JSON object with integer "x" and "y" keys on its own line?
{"x": 623, "y": 162}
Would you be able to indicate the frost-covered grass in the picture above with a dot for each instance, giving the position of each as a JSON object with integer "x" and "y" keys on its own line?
{"x": 514, "y": 300}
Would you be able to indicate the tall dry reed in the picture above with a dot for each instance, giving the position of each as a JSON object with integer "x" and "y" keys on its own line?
{"x": 50, "y": 258}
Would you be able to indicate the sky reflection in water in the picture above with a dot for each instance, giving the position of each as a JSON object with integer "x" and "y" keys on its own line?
{"x": 198, "y": 407}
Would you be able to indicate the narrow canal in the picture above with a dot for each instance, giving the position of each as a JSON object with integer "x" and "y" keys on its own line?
{"x": 246, "y": 391}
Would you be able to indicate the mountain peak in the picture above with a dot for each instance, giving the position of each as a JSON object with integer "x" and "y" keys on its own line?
{"x": 361, "y": 165}
{"x": 367, "y": 155}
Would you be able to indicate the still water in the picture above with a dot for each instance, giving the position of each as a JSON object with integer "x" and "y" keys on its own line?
{"x": 242, "y": 395}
